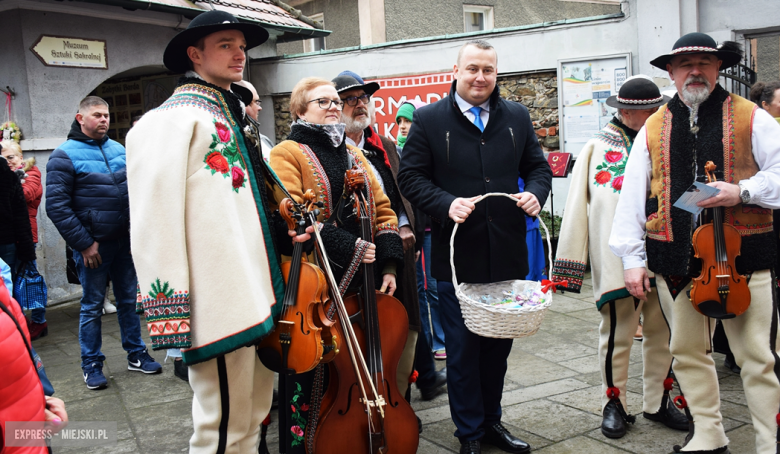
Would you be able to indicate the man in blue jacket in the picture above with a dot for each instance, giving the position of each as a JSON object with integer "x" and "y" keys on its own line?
{"x": 86, "y": 199}
{"x": 471, "y": 143}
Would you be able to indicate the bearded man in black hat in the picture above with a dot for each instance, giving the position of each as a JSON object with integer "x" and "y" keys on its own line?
{"x": 208, "y": 268}
{"x": 597, "y": 180}
{"x": 704, "y": 122}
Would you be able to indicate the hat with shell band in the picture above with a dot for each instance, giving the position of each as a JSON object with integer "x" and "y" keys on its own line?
{"x": 699, "y": 43}
{"x": 175, "y": 57}
{"x": 638, "y": 92}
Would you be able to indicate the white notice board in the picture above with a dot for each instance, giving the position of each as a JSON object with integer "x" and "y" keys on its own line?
{"x": 584, "y": 84}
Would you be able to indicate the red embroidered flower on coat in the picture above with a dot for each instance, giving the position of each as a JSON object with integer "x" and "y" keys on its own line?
{"x": 613, "y": 156}
{"x": 305, "y": 407}
{"x": 223, "y": 132}
{"x": 603, "y": 177}
{"x": 293, "y": 408}
{"x": 238, "y": 177}
{"x": 217, "y": 162}
{"x": 296, "y": 430}
{"x": 617, "y": 183}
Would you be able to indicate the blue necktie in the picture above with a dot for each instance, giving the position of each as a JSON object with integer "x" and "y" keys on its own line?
{"x": 477, "y": 120}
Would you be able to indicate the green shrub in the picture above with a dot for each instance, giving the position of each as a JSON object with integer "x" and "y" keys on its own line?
{"x": 545, "y": 216}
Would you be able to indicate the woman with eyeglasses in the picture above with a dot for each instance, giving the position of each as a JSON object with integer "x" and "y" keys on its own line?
{"x": 30, "y": 177}
{"x": 315, "y": 156}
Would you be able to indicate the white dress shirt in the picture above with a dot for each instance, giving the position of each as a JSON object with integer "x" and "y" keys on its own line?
{"x": 465, "y": 106}
{"x": 628, "y": 226}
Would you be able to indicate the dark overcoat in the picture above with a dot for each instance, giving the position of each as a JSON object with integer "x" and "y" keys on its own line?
{"x": 446, "y": 156}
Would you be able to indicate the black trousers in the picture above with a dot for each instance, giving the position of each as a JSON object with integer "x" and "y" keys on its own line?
{"x": 476, "y": 367}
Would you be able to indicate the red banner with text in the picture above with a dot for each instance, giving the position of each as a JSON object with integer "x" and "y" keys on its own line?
{"x": 394, "y": 91}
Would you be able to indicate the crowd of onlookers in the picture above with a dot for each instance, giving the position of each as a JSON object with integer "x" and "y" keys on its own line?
{"x": 87, "y": 201}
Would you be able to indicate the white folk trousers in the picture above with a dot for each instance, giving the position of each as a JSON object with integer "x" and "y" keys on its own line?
{"x": 753, "y": 340}
{"x": 232, "y": 396}
{"x": 619, "y": 320}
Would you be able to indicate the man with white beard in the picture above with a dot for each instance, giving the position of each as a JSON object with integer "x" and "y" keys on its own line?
{"x": 704, "y": 122}
{"x": 384, "y": 160}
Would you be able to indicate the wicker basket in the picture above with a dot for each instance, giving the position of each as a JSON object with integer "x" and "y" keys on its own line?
{"x": 496, "y": 321}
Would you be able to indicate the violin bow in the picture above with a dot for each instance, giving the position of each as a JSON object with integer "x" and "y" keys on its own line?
{"x": 358, "y": 361}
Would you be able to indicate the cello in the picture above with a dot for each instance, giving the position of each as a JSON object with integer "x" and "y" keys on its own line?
{"x": 379, "y": 324}
{"x": 719, "y": 291}
{"x": 296, "y": 345}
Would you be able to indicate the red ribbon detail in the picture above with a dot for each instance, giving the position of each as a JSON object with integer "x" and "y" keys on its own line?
{"x": 267, "y": 420}
{"x": 613, "y": 393}
{"x": 669, "y": 384}
{"x": 547, "y": 285}
{"x": 680, "y": 402}
{"x": 777, "y": 419}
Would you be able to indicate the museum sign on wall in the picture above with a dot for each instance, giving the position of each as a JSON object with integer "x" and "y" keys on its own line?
{"x": 71, "y": 52}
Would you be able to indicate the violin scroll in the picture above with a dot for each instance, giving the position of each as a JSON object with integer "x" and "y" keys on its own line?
{"x": 354, "y": 179}
{"x": 709, "y": 169}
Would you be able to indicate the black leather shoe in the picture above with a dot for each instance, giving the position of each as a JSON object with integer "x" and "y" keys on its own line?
{"x": 613, "y": 425}
{"x": 470, "y": 447}
{"x": 669, "y": 416}
{"x": 436, "y": 388}
{"x": 729, "y": 363}
{"x": 180, "y": 370}
{"x": 498, "y": 436}
{"x": 723, "y": 450}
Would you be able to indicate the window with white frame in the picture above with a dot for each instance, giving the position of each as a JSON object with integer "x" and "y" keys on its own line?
{"x": 477, "y": 18}
{"x": 315, "y": 44}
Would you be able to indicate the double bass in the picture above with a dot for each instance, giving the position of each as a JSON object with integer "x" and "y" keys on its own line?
{"x": 719, "y": 291}
{"x": 302, "y": 338}
{"x": 362, "y": 410}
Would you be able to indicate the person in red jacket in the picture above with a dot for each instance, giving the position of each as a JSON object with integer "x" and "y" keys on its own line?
{"x": 21, "y": 392}
{"x": 30, "y": 177}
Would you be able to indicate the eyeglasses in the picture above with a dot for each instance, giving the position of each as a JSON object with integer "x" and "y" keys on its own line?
{"x": 12, "y": 156}
{"x": 353, "y": 100}
{"x": 258, "y": 103}
{"x": 325, "y": 103}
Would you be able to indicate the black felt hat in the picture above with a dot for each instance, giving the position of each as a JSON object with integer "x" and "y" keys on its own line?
{"x": 638, "y": 93}
{"x": 244, "y": 93}
{"x": 346, "y": 82}
{"x": 700, "y": 43}
{"x": 175, "y": 57}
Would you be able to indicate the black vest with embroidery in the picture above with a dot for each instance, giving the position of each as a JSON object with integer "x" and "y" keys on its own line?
{"x": 678, "y": 158}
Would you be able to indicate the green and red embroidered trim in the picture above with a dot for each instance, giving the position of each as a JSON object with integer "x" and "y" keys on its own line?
{"x": 297, "y": 415}
{"x": 167, "y": 313}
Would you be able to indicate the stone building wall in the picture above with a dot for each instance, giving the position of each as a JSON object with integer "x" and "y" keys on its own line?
{"x": 768, "y": 58}
{"x": 537, "y": 91}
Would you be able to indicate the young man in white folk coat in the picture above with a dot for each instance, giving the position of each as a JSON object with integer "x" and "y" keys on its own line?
{"x": 203, "y": 235}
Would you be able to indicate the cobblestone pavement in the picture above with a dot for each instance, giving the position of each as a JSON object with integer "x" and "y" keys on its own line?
{"x": 551, "y": 394}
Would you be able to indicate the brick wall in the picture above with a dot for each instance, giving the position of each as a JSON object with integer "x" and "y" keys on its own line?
{"x": 538, "y": 92}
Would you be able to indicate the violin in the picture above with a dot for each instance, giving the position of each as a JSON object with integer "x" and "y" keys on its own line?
{"x": 719, "y": 291}
{"x": 298, "y": 344}
{"x": 379, "y": 325}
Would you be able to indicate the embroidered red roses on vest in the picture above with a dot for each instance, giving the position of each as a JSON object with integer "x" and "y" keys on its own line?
{"x": 224, "y": 157}
{"x": 611, "y": 171}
